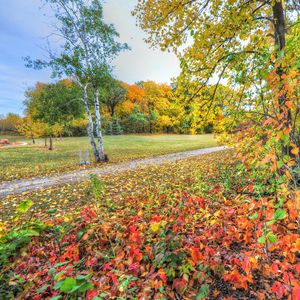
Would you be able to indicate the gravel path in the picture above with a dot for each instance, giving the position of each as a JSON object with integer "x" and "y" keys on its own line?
{"x": 20, "y": 186}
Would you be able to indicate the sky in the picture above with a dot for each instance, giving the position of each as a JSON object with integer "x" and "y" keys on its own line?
{"x": 24, "y": 27}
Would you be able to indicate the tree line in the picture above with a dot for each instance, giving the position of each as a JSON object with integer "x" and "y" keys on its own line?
{"x": 56, "y": 110}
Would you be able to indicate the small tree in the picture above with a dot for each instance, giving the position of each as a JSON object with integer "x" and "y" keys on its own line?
{"x": 55, "y": 105}
{"x": 31, "y": 129}
{"x": 116, "y": 127}
{"x": 109, "y": 130}
{"x": 137, "y": 121}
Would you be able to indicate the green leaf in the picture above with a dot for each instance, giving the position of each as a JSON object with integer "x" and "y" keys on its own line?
{"x": 61, "y": 264}
{"x": 58, "y": 285}
{"x": 83, "y": 287}
{"x": 55, "y": 298}
{"x": 280, "y": 164}
{"x": 255, "y": 216}
{"x": 82, "y": 277}
{"x": 272, "y": 238}
{"x": 100, "y": 297}
{"x": 24, "y": 206}
{"x": 271, "y": 222}
{"x": 28, "y": 232}
{"x": 203, "y": 292}
{"x": 68, "y": 284}
{"x": 262, "y": 239}
{"x": 39, "y": 291}
{"x": 52, "y": 271}
{"x": 279, "y": 214}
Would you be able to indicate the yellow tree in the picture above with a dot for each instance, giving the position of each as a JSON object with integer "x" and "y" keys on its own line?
{"x": 237, "y": 42}
{"x": 158, "y": 102}
{"x": 31, "y": 129}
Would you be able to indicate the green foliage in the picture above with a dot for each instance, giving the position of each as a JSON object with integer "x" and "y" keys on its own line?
{"x": 138, "y": 121}
{"x": 74, "y": 286}
{"x": 13, "y": 242}
{"x": 97, "y": 187}
{"x": 109, "y": 130}
{"x": 55, "y": 103}
{"x": 116, "y": 127}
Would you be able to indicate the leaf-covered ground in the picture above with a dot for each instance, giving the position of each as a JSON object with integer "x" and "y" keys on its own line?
{"x": 189, "y": 230}
{"x": 36, "y": 160}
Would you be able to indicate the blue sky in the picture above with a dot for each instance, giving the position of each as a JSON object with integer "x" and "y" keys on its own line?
{"x": 24, "y": 27}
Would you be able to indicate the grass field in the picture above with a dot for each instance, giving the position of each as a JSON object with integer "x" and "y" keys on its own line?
{"x": 35, "y": 160}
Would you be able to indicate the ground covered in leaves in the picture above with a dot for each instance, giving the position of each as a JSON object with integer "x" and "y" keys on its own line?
{"x": 195, "y": 229}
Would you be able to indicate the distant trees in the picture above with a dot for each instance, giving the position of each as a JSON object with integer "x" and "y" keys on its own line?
{"x": 146, "y": 107}
{"x": 9, "y": 123}
{"x": 150, "y": 107}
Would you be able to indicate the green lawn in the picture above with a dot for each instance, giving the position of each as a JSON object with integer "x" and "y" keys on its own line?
{"x": 35, "y": 160}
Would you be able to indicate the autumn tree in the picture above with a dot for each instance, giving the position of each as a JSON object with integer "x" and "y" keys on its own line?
{"x": 88, "y": 47}
{"x": 247, "y": 44}
{"x": 158, "y": 103}
{"x": 31, "y": 129}
{"x": 55, "y": 104}
{"x": 136, "y": 95}
{"x": 112, "y": 95}
{"x": 10, "y": 122}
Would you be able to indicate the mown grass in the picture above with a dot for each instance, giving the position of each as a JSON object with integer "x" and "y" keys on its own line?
{"x": 36, "y": 160}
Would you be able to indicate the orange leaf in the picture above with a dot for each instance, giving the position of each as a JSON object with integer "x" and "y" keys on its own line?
{"x": 196, "y": 255}
{"x": 295, "y": 151}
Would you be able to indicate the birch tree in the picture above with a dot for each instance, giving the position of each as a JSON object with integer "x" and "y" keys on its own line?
{"x": 88, "y": 47}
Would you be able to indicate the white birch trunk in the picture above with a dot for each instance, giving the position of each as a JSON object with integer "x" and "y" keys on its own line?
{"x": 90, "y": 127}
{"x": 98, "y": 125}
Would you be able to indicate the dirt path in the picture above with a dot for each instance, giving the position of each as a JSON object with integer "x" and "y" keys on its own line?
{"x": 20, "y": 186}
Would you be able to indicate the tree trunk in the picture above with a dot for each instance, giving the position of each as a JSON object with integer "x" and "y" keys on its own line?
{"x": 51, "y": 142}
{"x": 90, "y": 127}
{"x": 112, "y": 111}
{"x": 150, "y": 125}
{"x": 45, "y": 141}
{"x": 280, "y": 41}
{"x": 98, "y": 125}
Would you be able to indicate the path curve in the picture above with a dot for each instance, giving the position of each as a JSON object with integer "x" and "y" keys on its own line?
{"x": 20, "y": 186}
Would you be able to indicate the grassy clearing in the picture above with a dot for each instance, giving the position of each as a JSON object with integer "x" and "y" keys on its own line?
{"x": 35, "y": 160}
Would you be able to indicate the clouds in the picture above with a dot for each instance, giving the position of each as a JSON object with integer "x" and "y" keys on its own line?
{"x": 24, "y": 26}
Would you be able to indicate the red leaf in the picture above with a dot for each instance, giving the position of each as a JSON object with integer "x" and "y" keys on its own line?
{"x": 179, "y": 285}
{"x": 278, "y": 288}
{"x": 251, "y": 188}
